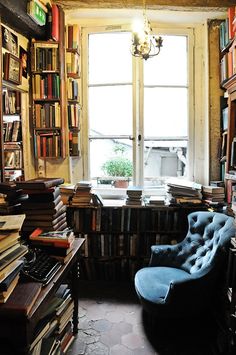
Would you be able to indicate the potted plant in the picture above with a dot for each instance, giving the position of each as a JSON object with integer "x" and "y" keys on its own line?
{"x": 119, "y": 167}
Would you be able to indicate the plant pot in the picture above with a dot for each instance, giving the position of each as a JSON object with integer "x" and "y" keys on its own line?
{"x": 121, "y": 183}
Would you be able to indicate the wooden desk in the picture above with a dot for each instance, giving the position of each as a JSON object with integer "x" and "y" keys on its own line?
{"x": 17, "y": 330}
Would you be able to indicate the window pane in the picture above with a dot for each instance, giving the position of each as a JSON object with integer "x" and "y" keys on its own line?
{"x": 163, "y": 159}
{"x": 165, "y": 112}
{"x": 110, "y": 110}
{"x": 110, "y": 60}
{"x": 103, "y": 151}
{"x": 170, "y": 66}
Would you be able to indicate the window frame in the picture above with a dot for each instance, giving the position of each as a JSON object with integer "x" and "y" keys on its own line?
{"x": 137, "y": 94}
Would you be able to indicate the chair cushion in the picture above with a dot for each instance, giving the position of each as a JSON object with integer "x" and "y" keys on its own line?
{"x": 152, "y": 283}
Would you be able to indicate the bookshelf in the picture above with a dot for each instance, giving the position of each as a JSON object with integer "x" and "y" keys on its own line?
{"x": 47, "y": 99}
{"x": 12, "y": 134}
{"x": 48, "y": 93}
{"x": 228, "y": 100}
{"x": 72, "y": 85}
{"x": 118, "y": 238}
{"x": 11, "y": 137}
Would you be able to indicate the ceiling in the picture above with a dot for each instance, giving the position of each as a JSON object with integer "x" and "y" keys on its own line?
{"x": 161, "y": 11}
{"x": 150, "y": 4}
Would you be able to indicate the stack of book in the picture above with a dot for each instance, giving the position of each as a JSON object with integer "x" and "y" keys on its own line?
{"x": 213, "y": 194}
{"x": 82, "y": 196}
{"x": 183, "y": 192}
{"x": 11, "y": 252}
{"x": 67, "y": 192}
{"x": 54, "y": 331}
{"x": 58, "y": 244}
{"x": 156, "y": 201}
{"x": 44, "y": 207}
{"x": 134, "y": 196}
{"x": 10, "y": 198}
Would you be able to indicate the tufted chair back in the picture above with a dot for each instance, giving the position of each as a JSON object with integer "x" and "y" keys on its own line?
{"x": 208, "y": 233}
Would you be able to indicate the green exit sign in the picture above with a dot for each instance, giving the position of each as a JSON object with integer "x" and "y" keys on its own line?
{"x": 37, "y": 11}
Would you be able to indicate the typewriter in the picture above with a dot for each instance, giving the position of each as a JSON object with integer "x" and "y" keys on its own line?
{"x": 39, "y": 266}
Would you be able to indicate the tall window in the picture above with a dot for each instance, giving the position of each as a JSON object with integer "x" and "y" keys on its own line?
{"x": 138, "y": 111}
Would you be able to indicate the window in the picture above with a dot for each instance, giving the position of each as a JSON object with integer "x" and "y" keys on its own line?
{"x": 138, "y": 111}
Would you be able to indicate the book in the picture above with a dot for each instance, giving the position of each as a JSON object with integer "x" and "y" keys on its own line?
{"x": 12, "y": 222}
{"x": 40, "y": 183}
{"x": 12, "y": 255}
{"x": 55, "y": 22}
{"x": 213, "y": 189}
{"x": 28, "y": 204}
{"x": 47, "y": 223}
{"x": 5, "y": 283}
{"x": 62, "y": 239}
{"x": 22, "y": 299}
{"x": 51, "y": 211}
{"x": 6, "y": 294}
{"x": 45, "y": 217}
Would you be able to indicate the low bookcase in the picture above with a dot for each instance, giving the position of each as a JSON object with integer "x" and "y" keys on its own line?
{"x": 118, "y": 239}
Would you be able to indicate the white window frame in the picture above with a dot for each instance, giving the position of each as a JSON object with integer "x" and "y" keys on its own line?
{"x": 197, "y": 86}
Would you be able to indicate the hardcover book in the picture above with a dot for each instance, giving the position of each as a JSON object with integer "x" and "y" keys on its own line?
{"x": 40, "y": 183}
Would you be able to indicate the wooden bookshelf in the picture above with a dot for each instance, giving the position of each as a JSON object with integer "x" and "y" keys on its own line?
{"x": 48, "y": 95}
{"x": 118, "y": 239}
{"x": 73, "y": 88}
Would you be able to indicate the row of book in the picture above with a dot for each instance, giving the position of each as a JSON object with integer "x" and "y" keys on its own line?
{"x": 46, "y": 59}
{"x": 72, "y": 63}
{"x": 12, "y": 131}
{"x": 72, "y": 88}
{"x": 13, "y": 156}
{"x": 73, "y": 36}
{"x": 74, "y": 143}
{"x": 116, "y": 269}
{"x": 11, "y": 101}
{"x": 47, "y": 115}
{"x": 54, "y": 331}
{"x": 125, "y": 219}
{"x": 104, "y": 245}
{"x": 228, "y": 28}
{"x": 48, "y": 144}
{"x": 46, "y": 86}
{"x": 73, "y": 114}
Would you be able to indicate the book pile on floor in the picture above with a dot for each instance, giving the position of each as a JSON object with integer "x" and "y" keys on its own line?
{"x": 213, "y": 194}
{"x": 134, "y": 196}
{"x": 58, "y": 244}
{"x": 11, "y": 252}
{"x": 183, "y": 192}
{"x": 54, "y": 333}
{"x": 10, "y": 198}
{"x": 44, "y": 207}
{"x": 82, "y": 196}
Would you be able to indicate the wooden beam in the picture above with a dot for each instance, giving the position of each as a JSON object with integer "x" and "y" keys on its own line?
{"x": 150, "y": 4}
{"x": 14, "y": 14}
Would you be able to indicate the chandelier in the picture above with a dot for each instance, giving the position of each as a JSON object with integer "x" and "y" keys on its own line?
{"x": 144, "y": 44}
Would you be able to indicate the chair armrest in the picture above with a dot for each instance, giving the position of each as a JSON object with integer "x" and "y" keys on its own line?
{"x": 163, "y": 255}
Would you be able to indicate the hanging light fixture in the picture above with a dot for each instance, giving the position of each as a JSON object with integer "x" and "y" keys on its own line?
{"x": 144, "y": 44}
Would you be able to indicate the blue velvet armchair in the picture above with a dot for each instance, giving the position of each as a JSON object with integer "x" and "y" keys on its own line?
{"x": 184, "y": 278}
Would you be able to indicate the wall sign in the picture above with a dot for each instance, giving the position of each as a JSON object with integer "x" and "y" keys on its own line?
{"x": 37, "y": 11}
